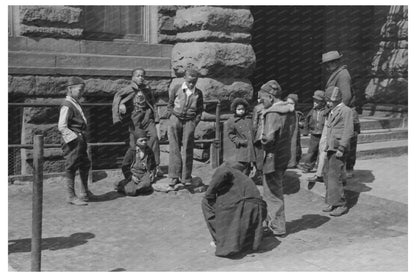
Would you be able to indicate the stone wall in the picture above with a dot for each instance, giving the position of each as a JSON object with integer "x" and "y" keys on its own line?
{"x": 166, "y": 29}
{"x": 389, "y": 68}
{"x": 50, "y": 21}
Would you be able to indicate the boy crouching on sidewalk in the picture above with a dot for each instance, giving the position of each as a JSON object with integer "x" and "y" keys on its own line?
{"x": 138, "y": 167}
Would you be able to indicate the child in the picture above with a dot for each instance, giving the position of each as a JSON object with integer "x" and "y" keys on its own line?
{"x": 184, "y": 110}
{"x": 314, "y": 125}
{"x": 136, "y": 105}
{"x": 239, "y": 129}
{"x": 73, "y": 127}
{"x": 138, "y": 167}
{"x": 296, "y": 150}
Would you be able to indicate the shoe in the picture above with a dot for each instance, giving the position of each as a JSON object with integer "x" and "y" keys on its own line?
{"x": 173, "y": 182}
{"x": 280, "y": 235}
{"x": 77, "y": 202}
{"x": 349, "y": 174}
{"x": 187, "y": 183}
{"x": 306, "y": 170}
{"x": 328, "y": 209}
{"x": 159, "y": 172}
{"x": 299, "y": 166}
{"x": 213, "y": 244}
{"x": 315, "y": 178}
{"x": 340, "y": 210}
{"x": 87, "y": 197}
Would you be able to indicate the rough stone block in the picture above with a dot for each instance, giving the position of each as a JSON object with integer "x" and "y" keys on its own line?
{"x": 166, "y": 39}
{"x": 50, "y": 132}
{"x": 48, "y": 15}
{"x": 22, "y": 85}
{"x": 165, "y": 25}
{"x": 214, "y": 59}
{"x": 206, "y": 35}
{"x": 402, "y": 32}
{"x": 223, "y": 89}
{"x": 214, "y": 19}
{"x": 403, "y": 44}
{"x": 389, "y": 30}
{"x": 168, "y": 10}
{"x": 394, "y": 91}
{"x": 391, "y": 63}
{"x": 52, "y": 32}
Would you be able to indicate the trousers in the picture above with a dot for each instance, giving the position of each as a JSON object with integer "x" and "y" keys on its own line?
{"x": 273, "y": 195}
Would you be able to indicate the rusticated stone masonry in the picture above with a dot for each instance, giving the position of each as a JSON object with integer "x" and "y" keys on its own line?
{"x": 389, "y": 69}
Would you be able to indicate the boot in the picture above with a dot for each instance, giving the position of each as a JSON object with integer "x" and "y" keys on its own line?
{"x": 69, "y": 186}
{"x": 85, "y": 194}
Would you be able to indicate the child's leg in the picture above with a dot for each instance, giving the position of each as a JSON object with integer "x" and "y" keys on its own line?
{"x": 188, "y": 149}
{"x": 175, "y": 138}
{"x": 154, "y": 141}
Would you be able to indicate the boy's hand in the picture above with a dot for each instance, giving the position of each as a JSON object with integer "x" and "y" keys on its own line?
{"x": 339, "y": 154}
{"x": 122, "y": 108}
{"x": 134, "y": 179}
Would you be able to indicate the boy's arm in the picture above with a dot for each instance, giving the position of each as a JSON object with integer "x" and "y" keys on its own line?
{"x": 268, "y": 136}
{"x": 171, "y": 102}
{"x": 199, "y": 107}
{"x": 348, "y": 130}
{"x": 344, "y": 85}
{"x": 230, "y": 131}
{"x": 127, "y": 161}
{"x": 67, "y": 134}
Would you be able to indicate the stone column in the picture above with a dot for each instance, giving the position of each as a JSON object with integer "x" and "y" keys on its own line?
{"x": 388, "y": 84}
{"x": 216, "y": 42}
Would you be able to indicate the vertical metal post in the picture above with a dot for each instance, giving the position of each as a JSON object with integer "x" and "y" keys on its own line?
{"x": 89, "y": 152}
{"x": 37, "y": 198}
{"x": 215, "y": 147}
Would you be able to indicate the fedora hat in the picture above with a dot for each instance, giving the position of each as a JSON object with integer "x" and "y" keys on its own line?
{"x": 330, "y": 56}
{"x": 319, "y": 95}
{"x": 74, "y": 80}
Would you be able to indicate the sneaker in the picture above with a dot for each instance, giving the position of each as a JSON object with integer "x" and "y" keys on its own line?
{"x": 159, "y": 172}
{"x": 173, "y": 181}
{"x": 315, "y": 178}
{"x": 328, "y": 209}
{"x": 339, "y": 211}
{"x": 77, "y": 202}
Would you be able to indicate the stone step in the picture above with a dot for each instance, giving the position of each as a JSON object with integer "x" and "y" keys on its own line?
{"x": 378, "y": 149}
{"x": 376, "y": 135}
{"x": 120, "y": 47}
{"x": 372, "y": 122}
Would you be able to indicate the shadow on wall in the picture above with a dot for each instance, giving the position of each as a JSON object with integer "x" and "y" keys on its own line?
{"x": 54, "y": 243}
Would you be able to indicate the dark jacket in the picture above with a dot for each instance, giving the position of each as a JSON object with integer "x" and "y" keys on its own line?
{"x": 234, "y": 211}
{"x": 279, "y": 122}
{"x": 184, "y": 107}
{"x": 340, "y": 128}
{"x": 315, "y": 121}
{"x": 130, "y": 166}
{"x": 240, "y": 132}
{"x": 341, "y": 78}
{"x": 126, "y": 96}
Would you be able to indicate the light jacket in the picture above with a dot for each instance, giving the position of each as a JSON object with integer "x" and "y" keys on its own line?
{"x": 340, "y": 128}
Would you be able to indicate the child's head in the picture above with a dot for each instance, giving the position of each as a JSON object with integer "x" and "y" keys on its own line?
{"x": 75, "y": 87}
{"x": 318, "y": 99}
{"x": 140, "y": 137}
{"x": 239, "y": 107}
{"x": 292, "y": 99}
{"x": 137, "y": 75}
{"x": 191, "y": 77}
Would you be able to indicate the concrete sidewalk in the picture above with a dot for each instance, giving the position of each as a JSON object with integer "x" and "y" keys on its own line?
{"x": 166, "y": 231}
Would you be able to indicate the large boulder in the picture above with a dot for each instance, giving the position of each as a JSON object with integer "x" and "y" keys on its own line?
{"x": 386, "y": 91}
{"x": 214, "y": 19}
{"x": 214, "y": 59}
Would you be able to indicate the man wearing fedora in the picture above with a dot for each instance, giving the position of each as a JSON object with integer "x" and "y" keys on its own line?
{"x": 73, "y": 127}
{"x": 276, "y": 132}
{"x": 341, "y": 78}
{"x": 339, "y": 132}
{"x": 315, "y": 120}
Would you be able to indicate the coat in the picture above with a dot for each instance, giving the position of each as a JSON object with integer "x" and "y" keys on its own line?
{"x": 295, "y": 146}
{"x": 340, "y": 128}
{"x": 240, "y": 132}
{"x": 127, "y": 94}
{"x": 128, "y": 164}
{"x": 279, "y": 122}
{"x": 341, "y": 78}
{"x": 234, "y": 211}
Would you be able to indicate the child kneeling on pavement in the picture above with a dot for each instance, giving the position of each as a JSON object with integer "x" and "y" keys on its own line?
{"x": 138, "y": 167}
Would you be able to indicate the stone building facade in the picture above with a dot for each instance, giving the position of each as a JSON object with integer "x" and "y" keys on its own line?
{"x": 235, "y": 49}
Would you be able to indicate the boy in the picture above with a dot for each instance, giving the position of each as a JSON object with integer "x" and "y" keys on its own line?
{"x": 136, "y": 104}
{"x": 295, "y": 147}
{"x": 184, "y": 111}
{"x": 239, "y": 129}
{"x": 138, "y": 167}
{"x": 73, "y": 127}
{"x": 314, "y": 125}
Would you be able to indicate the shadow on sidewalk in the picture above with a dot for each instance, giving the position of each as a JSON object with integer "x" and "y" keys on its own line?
{"x": 291, "y": 182}
{"x": 308, "y": 221}
{"x": 268, "y": 243}
{"x": 54, "y": 243}
{"x": 356, "y": 185}
{"x": 108, "y": 196}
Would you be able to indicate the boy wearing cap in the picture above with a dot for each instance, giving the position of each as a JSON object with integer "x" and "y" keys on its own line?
{"x": 340, "y": 130}
{"x": 136, "y": 104}
{"x": 73, "y": 127}
{"x": 278, "y": 117}
{"x": 184, "y": 111}
{"x": 138, "y": 167}
{"x": 296, "y": 150}
{"x": 314, "y": 125}
{"x": 341, "y": 78}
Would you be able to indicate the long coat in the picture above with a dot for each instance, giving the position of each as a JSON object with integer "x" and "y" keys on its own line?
{"x": 279, "y": 121}
{"x": 234, "y": 211}
{"x": 340, "y": 128}
{"x": 240, "y": 132}
{"x": 341, "y": 78}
